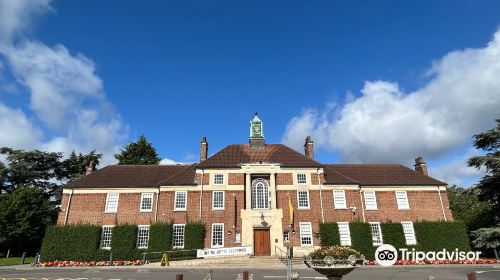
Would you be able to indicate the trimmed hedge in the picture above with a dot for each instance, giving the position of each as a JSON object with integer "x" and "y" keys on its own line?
{"x": 392, "y": 233}
{"x": 361, "y": 239}
{"x": 194, "y": 236}
{"x": 431, "y": 236}
{"x": 329, "y": 234}
{"x": 81, "y": 242}
{"x": 160, "y": 237}
{"x": 123, "y": 243}
{"x": 434, "y": 236}
{"x": 76, "y": 242}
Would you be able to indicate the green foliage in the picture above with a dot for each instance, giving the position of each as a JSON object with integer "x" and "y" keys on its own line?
{"x": 24, "y": 216}
{"x": 487, "y": 238}
{"x": 194, "y": 236}
{"x": 489, "y": 185}
{"x": 140, "y": 152}
{"x": 76, "y": 243}
{"x": 392, "y": 233}
{"x": 160, "y": 237}
{"x": 466, "y": 206}
{"x": 361, "y": 239}
{"x": 436, "y": 236}
{"x": 123, "y": 243}
{"x": 329, "y": 234}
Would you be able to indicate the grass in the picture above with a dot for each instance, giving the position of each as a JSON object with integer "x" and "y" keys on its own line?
{"x": 14, "y": 261}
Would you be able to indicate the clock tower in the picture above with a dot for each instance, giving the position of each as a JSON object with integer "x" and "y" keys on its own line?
{"x": 256, "y": 134}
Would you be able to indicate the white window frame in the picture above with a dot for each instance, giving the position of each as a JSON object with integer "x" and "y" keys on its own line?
{"x": 286, "y": 236}
{"x": 379, "y": 231}
{"x": 178, "y": 244}
{"x": 301, "y": 181}
{"x": 216, "y": 182}
{"x": 308, "y": 200}
{"x": 111, "y": 206}
{"x": 143, "y": 196}
{"x": 214, "y": 207}
{"x": 222, "y": 235}
{"x": 339, "y": 195}
{"x": 260, "y": 197}
{"x": 345, "y": 233}
{"x": 409, "y": 233}
{"x": 177, "y": 198}
{"x": 110, "y": 235}
{"x": 402, "y": 200}
{"x": 368, "y": 206}
{"x": 139, "y": 243}
{"x": 306, "y": 232}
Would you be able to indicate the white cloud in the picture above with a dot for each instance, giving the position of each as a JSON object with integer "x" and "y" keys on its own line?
{"x": 456, "y": 171}
{"x": 66, "y": 95}
{"x": 167, "y": 161}
{"x": 386, "y": 124}
{"x": 16, "y": 130}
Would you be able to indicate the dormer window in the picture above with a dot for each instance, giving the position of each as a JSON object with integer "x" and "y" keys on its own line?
{"x": 218, "y": 179}
{"x": 301, "y": 178}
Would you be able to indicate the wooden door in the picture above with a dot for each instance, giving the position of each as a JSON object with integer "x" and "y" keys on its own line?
{"x": 261, "y": 242}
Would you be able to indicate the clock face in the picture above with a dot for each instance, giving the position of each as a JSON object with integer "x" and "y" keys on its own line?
{"x": 256, "y": 128}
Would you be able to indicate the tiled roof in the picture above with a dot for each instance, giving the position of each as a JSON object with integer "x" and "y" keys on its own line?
{"x": 377, "y": 175}
{"x": 182, "y": 178}
{"x": 233, "y": 155}
{"x": 131, "y": 176}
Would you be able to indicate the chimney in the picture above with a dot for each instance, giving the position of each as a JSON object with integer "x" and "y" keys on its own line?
{"x": 309, "y": 148}
{"x": 203, "y": 149}
{"x": 420, "y": 166}
{"x": 90, "y": 168}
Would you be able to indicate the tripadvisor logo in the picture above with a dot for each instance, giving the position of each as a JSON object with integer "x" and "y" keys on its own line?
{"x": 387, "y": 255}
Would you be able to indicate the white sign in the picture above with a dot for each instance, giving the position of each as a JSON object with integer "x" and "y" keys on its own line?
{"x": 233, "y": 251}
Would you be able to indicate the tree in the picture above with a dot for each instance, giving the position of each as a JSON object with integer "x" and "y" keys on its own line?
{"x": 24, "y": 215}
{"x": 466, "y": 206}
{"x": 489, "y": 185}
{"x": 140, "y": 152}
{"x": 487, "y": 238}
{"x": 30, "y": 169}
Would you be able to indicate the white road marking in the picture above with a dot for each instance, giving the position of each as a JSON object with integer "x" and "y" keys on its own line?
{"x": 240, "y": 276}
{"x": 300, "y": 277}
{"x": 483, "y": 271}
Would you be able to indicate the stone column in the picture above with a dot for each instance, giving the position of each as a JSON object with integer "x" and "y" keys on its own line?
{"x": 273, "y": 190}
{"x": 248, "y": 191}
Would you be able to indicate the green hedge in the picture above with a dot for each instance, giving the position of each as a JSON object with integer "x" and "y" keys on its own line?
{"x": 392, "y": 233}
{"x": 361, "y": 239}
{"x": 436, "y": 236}
{"x": 160, "y": 237}
{"x": 123, "y": 243}
{"x": 194, "y": 236}
{"x": 78, "y": 243}
{"x": 329, "y": 234}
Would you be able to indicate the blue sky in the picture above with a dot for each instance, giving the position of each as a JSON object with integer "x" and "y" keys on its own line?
{"x": 371, "y": 81}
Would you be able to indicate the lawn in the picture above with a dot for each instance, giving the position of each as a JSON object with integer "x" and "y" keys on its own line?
{"x": 14, "y": 261}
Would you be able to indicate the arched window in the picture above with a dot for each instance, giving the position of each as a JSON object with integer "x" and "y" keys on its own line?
{"x": 260, "y": 194}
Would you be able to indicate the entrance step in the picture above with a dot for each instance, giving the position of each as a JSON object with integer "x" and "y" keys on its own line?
{"x": 240, "y": 261}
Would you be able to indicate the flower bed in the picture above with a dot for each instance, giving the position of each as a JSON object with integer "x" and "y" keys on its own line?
{"x": 337, "y": 252}
{"x": 91, "y": 263}
{"x": 410, "y": 262}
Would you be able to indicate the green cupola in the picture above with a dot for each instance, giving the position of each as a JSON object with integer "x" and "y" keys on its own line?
{"x": 256, "y": 133}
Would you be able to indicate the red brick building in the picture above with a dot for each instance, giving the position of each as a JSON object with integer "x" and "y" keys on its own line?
{"x": 245, "y": 195}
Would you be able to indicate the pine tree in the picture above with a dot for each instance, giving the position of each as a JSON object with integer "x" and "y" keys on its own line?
{"x": 140, "y": 152}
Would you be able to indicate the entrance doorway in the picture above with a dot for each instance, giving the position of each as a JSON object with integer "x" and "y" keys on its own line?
{"x": 261, "y": 242}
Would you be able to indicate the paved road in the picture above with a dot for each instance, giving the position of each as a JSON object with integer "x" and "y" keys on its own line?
{"x": 376, "y": 273}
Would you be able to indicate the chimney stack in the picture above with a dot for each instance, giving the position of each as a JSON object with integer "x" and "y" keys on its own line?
{"x": 420, "y": 166}
{"x": 203, "y": 149}
{"x": 309, "y": 148}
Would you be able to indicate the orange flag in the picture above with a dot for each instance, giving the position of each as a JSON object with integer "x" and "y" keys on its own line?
{"x": 290, "y": 207}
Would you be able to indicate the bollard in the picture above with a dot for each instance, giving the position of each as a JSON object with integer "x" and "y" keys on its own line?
{"x": 245, "y": 275}
{"x": 471, "y": 275}
{"x": 23, "y": 257}
{"x": 179, "y": 277}
{"x": 37, "y": 258}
